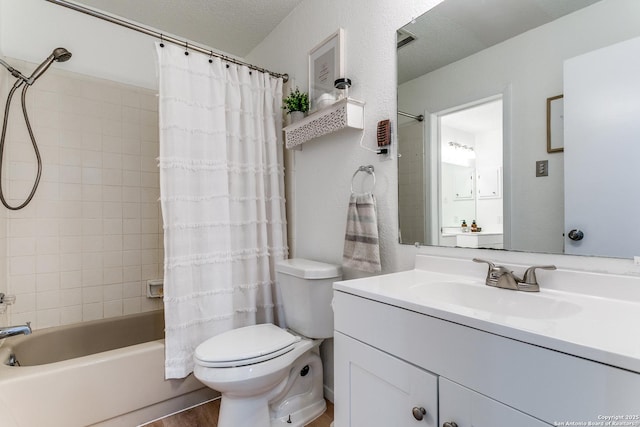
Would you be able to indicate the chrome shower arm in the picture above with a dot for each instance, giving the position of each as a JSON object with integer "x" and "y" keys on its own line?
{"x": 15, "y": 73}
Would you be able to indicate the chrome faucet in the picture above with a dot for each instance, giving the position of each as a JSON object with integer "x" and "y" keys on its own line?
{"x": 9, "y": 331}
{"x": 501, "y": 277}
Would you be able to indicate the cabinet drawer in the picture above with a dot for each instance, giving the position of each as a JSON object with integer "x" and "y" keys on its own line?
{"x": 374, "y": 389}
{"x": 546, "y": 384}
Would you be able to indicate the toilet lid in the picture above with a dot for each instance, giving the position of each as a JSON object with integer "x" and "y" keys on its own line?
{"x": 245, "y": 346}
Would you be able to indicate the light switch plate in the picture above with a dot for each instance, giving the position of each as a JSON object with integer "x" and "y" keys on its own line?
{"x": 542, "y": 168}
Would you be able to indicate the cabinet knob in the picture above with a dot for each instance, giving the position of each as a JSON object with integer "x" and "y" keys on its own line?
{"x": 449, "y": 424}
{"x": 419, "y": 413}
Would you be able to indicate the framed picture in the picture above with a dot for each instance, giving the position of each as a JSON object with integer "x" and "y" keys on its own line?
{"x": 555, "y": 124}
{"x": 326, "y": 64}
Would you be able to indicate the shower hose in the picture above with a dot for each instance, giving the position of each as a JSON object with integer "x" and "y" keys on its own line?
{"x": 17, "y": 84}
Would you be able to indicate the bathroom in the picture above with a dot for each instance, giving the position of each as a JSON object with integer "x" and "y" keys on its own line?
{"x": 48, "y": 278}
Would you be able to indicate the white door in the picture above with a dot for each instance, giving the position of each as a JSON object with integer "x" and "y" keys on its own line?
{"x": 374, "y": 389}
{"x": 602, "y": 151}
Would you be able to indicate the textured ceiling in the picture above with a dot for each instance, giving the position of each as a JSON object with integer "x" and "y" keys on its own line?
{"x": 230, "y": 26}
{"x": 456, "y": 29}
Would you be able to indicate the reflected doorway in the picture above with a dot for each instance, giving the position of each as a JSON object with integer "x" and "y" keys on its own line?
{"x": 469, "y": 172}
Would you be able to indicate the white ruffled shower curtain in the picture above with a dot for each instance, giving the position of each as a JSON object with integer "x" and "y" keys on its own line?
{"x": 222, "y": 197}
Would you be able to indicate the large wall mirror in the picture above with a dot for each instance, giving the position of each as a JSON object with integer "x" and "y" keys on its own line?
{"x": 519, "y": 126}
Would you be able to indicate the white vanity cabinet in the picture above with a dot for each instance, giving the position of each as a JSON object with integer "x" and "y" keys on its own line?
{"x": 382, "y": 391}
{"x": 390, "y": 358}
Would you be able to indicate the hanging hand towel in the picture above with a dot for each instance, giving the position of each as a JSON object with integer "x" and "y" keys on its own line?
{"x": 361, "y": 245}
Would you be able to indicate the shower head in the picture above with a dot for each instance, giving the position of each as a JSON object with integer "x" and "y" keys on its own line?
{"x": 59, "y": 54}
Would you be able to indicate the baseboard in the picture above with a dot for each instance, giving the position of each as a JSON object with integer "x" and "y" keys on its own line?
{"x": 328, "y": 394}
{"x": 160, "y": 410}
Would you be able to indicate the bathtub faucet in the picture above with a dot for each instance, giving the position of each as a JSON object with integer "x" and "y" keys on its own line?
{"x": 9, "y": 331}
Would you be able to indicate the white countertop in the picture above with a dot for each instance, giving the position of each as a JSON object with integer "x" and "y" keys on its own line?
{"x": 472, "y": 233}
{"x": 590, "y": 324}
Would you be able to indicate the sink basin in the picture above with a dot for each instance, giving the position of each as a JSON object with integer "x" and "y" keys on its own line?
{"x": 477, "y": 296}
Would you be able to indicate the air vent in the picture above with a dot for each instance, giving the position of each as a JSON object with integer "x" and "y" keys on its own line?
{"x": 404, "y": 37}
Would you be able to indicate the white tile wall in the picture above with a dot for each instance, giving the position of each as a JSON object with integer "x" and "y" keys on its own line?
{"x": 4, "y": 242}
{"x": 91, "y": 238}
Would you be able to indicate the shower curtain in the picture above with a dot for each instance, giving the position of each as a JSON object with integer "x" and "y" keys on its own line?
{"x": 222, "y": 198}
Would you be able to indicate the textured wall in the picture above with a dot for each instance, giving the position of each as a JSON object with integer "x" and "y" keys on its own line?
{"x": 324, "y": 167}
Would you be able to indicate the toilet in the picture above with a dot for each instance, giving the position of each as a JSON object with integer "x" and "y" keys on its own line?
{"x": 269, "y": 376}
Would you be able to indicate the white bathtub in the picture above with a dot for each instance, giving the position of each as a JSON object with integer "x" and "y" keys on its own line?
{"x": 107, "y": 372}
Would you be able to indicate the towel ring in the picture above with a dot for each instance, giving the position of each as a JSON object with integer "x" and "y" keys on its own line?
{"x": 368, "y": 169}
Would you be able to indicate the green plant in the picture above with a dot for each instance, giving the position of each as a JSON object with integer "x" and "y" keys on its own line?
{"x": 296, "y": 101}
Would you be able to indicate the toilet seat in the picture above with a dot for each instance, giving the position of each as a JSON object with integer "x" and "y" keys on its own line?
{"x": 245, "y": 346}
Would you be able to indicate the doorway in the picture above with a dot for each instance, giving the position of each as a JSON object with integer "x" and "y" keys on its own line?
{"x": 470, "y": 165}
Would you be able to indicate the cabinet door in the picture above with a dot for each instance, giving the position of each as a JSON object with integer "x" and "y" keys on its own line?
{"x": 489, "y": 183}
{"x": 462, "y": 183}
{"x": 467, "y": 408}
{"x": 374, "y": 389}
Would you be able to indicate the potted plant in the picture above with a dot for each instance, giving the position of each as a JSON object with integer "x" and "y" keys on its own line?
{"x": 296, "y": 104}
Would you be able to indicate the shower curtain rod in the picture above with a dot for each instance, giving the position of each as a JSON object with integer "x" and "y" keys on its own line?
{"x": 162, "y": 37}
{"x": 419, "y": 118}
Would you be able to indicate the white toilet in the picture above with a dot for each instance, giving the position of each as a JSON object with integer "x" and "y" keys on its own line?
{"x": 269, "y": 376}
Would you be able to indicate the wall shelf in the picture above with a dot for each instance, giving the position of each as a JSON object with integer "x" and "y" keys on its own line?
{"x": 344, "y": 114}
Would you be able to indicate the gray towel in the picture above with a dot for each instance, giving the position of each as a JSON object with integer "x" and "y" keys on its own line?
{"x": 361, "y": 245}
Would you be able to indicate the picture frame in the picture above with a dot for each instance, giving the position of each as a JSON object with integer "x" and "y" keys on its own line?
{"x": 555, "y": 124}
{"x": 326, "y": 64}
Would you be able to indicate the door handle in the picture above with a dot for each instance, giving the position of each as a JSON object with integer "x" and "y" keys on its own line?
{"x": 576, "y": 234}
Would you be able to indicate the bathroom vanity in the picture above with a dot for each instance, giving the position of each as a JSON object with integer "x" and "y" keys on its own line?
{"x": 435, "y": 346}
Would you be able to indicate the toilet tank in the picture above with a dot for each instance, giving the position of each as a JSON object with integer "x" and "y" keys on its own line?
{"x": 306, "y": 288}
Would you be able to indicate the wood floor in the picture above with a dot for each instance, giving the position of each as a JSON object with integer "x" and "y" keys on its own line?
{"x": 206, "y": 415}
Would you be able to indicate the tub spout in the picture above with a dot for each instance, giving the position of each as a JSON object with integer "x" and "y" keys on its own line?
{"x": 9, "y": 331}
